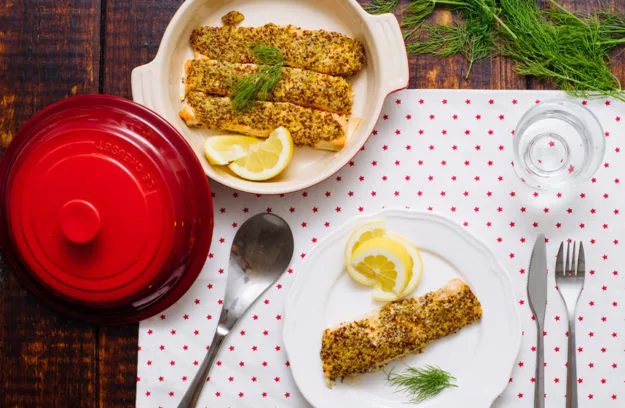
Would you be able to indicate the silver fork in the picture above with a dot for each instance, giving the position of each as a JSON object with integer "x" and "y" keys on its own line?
{"x": 570, "y": 283}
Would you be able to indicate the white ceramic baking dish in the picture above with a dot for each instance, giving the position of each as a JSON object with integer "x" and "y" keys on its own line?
{"x": 158, "y": 85}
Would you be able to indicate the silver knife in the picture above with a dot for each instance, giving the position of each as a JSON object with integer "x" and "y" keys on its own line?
{"x": 537, "y": 295}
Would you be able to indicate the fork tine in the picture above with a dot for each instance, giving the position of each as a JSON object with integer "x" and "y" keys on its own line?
{"x": 567, "y": 263}
{"x": 573, "y": 262}
{"x": 560, "y": 261}
{"x": 581, "y": 261}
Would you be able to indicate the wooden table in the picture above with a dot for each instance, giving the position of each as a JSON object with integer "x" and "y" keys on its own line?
{"x": 52, "y": 49}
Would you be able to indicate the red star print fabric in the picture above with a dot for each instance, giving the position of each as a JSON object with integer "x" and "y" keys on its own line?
{"x": 444, "y": 151}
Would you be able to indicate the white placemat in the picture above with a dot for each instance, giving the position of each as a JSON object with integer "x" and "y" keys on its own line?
{"x": 436, "y": 150}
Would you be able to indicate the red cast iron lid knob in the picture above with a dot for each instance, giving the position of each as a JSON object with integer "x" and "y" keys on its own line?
{"x": 79, "y": 221}
{"x": 105, "y": 205}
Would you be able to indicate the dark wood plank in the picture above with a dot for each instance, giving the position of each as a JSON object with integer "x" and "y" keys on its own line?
{"x": 133, "y": 32}
{"x": 618, "y": 55}
{"x": 427, "y": 71}
{"x": 117, "y": 366}
{"x": 49, "y": 50}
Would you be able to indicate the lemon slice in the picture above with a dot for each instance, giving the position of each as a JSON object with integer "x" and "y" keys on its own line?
{"x": 358, "y": 236}
{"x": 386, "y": 263}
{"x": 417, "y": 264}
{"x": 266, "y": 159}
{"x": 223, "y": 149}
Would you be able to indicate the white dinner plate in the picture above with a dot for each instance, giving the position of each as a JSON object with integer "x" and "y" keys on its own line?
{"x": 480, "y": 356}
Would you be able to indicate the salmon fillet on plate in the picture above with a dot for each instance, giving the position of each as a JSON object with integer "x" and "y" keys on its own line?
{"x": 404, "y": 326}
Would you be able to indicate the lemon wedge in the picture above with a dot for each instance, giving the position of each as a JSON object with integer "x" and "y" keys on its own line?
{"x": 385, "y": 264}
{"x": 357, "y": 237}
{"x": 417, "y": 264}
{"x": 223, "y": 149}
{"x": 265, "y": 159}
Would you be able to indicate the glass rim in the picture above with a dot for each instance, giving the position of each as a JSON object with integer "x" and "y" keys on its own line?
{"x": 565, "y": 106}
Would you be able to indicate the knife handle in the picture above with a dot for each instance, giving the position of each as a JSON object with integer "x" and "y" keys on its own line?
{"x": 539, "y": 387}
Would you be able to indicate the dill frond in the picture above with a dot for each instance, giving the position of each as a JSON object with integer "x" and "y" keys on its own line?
{"x": 572, "y": 50}
{"x": 381, "y": 6}
{"x": 268, "y": 55}
{"x": 422, "y": 383}
{"x": 258, "y": 86}
{"x": 557, "y": 45}
{"x": 472, "y": 36}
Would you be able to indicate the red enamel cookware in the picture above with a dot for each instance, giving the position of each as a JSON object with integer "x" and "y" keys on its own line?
{"x": 105, "y": 211}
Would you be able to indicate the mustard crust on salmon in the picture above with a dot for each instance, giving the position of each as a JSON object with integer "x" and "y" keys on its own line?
{"x": 398, "y": 328}
{"x": 308, "y": 127}
{"x": 317, "y": 50}
{"x": 301, "y": 87}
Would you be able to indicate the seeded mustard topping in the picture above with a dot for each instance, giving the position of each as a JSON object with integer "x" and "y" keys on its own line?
{"x": 308, "y": 127}
{"x": 232, "y": 18}
{"x": 317, "y": 50}
{"x": 305, "y": 88}
{"x": 398, "y": 328}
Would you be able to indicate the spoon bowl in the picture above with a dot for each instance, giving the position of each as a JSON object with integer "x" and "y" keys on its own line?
{"x": 261, "y": 251}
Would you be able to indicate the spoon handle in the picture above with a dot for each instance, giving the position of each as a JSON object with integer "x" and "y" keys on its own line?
{"x": 195, "y": 389}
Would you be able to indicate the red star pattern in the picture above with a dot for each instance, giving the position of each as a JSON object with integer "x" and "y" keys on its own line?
{"x": 418, "y": 156}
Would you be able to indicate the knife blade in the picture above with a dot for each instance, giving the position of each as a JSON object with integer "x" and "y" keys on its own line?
{"x": 537, "y": 296}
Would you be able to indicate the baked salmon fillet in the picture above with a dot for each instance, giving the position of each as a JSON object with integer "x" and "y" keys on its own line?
{"x": 301, "y": 87}
{"x": 317, "y": 50}
{"x": 308, "y": 127}
{"x": 396, "y": 329}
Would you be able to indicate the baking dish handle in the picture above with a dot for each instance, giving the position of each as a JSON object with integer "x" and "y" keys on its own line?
{"x": 391, "y": 51}
{"x": 142, "y": 81}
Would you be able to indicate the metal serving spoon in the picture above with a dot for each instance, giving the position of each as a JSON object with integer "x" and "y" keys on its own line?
{"x": 261, "y": 250}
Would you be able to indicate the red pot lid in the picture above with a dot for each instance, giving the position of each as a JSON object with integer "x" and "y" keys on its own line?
{"x": 105, "y": 206}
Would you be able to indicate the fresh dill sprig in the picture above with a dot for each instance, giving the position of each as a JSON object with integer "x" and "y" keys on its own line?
{"x": 416, "y": 13}
{"x": 472, "y": 36}
{"x": 268, "y": 55}
{"x": 422, "y": 383}
{"x": 441, "y": 40}
{"x": 257, "y": 86}
{"x": 570, "y": 49}
{"x": 381, "y": 6}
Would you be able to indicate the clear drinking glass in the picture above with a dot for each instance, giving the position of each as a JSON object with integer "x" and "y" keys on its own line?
{"x": 557, "y": 143}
